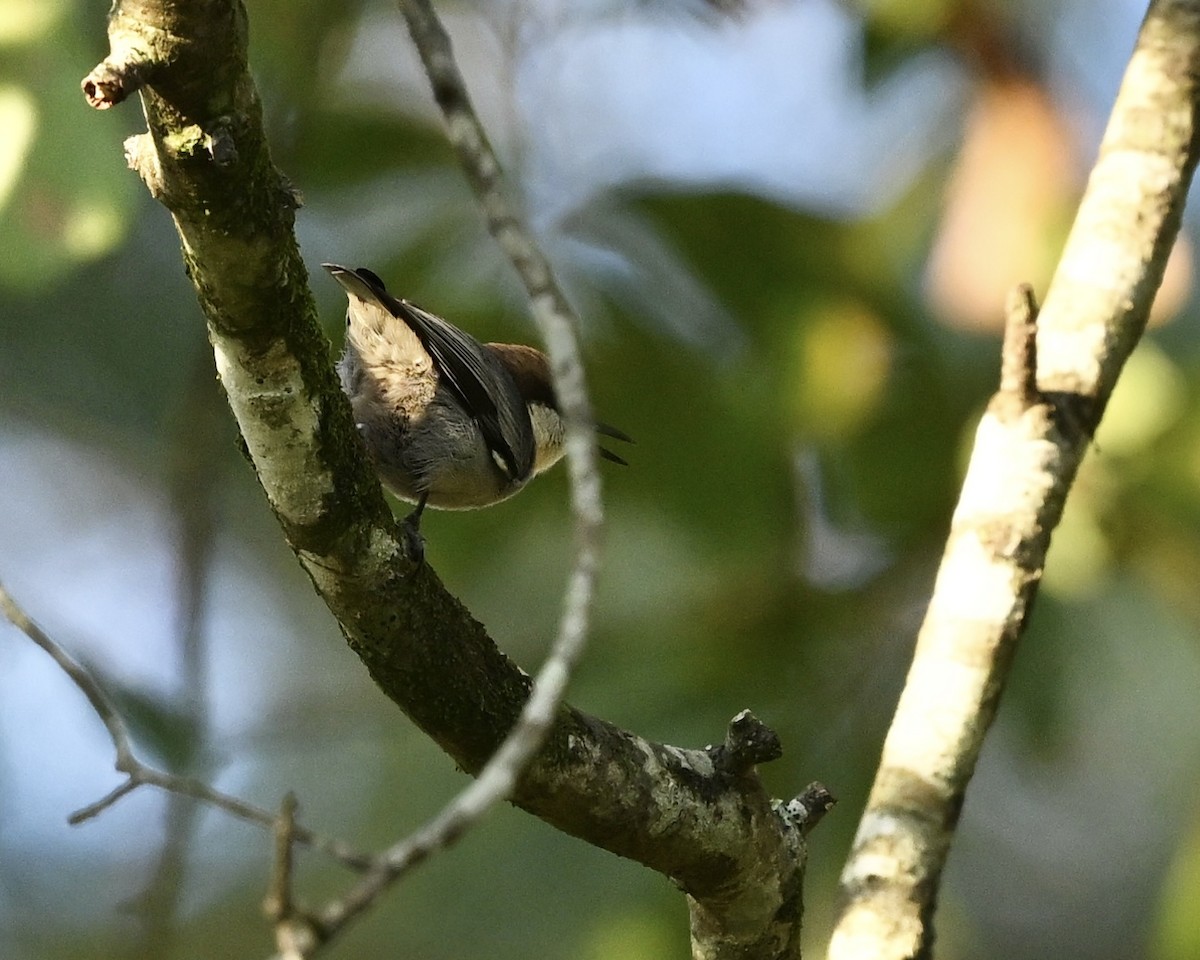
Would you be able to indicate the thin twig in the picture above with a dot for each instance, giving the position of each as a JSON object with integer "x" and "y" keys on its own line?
{"x": 495, "y": 782}
{"x": 295, "y": 936}
{"x": 552, "y": 311}
{"x": 105, "y": 710}
{"x": 278, "y": 903}
{"x": 97, "y": 807}
{"x": 140, "y": 774}
{"x": 557, "y": 322}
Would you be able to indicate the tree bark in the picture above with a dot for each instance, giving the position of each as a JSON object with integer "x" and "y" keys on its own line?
{"x": 700, "y": 817}
{"x": 1028, "y": 448}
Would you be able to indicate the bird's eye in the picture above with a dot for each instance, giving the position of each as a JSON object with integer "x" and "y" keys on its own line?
{"x": 347, "y": 318}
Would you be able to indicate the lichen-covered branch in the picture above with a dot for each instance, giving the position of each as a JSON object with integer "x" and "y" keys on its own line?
{"x": 1027, "y": 451}
{"x": 713, "y": 831}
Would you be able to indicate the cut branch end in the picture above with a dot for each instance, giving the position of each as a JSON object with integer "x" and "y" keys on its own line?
{"x": 1018, "y": 363}
{"x": 748, "y": 742}
{"x": 112, "y": 81}
{"x": 805, "y": 810}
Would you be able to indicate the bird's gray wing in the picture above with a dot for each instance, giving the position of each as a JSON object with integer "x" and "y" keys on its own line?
{"x": 474, "y": 377}
{"x": 477, "y": 379}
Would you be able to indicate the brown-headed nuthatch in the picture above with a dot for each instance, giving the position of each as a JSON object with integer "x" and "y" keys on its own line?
{"x": 450, "y": 422}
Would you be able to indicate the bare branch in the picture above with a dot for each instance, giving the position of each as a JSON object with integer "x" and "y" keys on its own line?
{"x": 1025, "y": 459}
{"x": 139, "y": 774}
{"x": 808, "y": 808}
{"x": 499, "y": 776}
{"x": 87, "y": 684}
{"x": 551, "y": 310}
{"x": 277, "y": 904}
{"x": 496, "y": 782}
{"x": 129, "y": 64}
{"x": 111, "y": 82}
{"x": 295, "y": 936}
{"x": 748, "y": 742}
{"x": 96, "y": 808}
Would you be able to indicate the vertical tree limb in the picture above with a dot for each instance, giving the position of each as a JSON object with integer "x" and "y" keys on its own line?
{"x": 1027, "y": 452}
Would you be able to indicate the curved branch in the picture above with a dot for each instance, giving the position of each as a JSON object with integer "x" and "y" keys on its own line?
{"x": 205, "y": 158}
{"x": 1027, "y": 451}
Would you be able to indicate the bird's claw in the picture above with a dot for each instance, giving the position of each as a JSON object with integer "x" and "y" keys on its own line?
{"x": 414, "y": 540}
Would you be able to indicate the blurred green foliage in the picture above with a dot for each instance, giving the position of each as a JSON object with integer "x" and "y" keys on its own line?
{"x": 772, "y": 544}
{"x": 58, "y": 208}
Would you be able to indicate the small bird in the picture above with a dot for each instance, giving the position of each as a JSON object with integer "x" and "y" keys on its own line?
{"x": 451, "y": 423}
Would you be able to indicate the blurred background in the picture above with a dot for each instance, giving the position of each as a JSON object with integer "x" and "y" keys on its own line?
{"x": 790, "y": 229}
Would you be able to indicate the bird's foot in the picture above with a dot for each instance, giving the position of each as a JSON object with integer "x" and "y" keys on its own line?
{"x": 410, "y": 530}
{"x": 414, "y": 540}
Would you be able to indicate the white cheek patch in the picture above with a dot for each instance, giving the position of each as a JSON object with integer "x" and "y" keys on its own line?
{"x": 547, "y": 436}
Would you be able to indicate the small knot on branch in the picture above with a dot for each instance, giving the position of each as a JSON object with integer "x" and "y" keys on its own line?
{"x": 290, "y": 195}
{"x": 1018, "y": 358}
{"x": 296, "y": 938}
{"x": 748, "y": 742}
{"x": 214, "y": 143}
{"x": 142, "y": 158}
{"x": 221, "y": 148}
{"x": 805, "y": 810}
{"x": 113, "y": 80}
